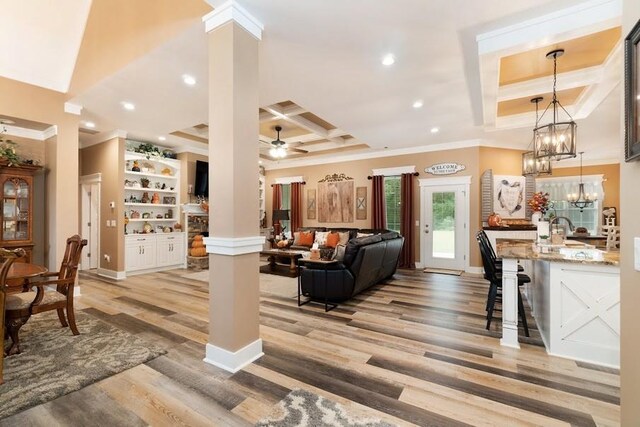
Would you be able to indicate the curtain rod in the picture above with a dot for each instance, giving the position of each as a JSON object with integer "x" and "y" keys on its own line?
{"x": 414, "y": 174}
{"x": 300, "y": 182}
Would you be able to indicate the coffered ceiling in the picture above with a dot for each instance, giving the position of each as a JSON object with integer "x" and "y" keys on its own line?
{"x": 514, "y": 67}
{"x": 469, "y": 64}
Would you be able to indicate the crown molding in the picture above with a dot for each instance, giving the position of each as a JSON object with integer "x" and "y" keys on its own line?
{"x": 72, "y": 108}
{"x": 38, "y": 135}
{"x": 232, "y": 11}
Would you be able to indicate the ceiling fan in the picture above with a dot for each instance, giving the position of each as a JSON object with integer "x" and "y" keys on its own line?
{"x": 279, "y": 148}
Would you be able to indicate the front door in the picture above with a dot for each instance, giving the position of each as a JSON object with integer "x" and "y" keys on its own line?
{"x": 444, "y": 229}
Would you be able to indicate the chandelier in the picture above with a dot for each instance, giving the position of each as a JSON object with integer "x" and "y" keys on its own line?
{"x": 530, "y": 165}
{"x": 581, "y": 199}
{"x": 556, "y": 140}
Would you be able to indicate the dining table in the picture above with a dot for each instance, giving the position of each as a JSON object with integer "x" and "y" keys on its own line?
{"x": 18, "y": 277}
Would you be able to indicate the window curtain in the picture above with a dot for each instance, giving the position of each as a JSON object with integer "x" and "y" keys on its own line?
{"x": 407, "y": 221}
{"x": 277, "y": 202}
{"x": 296, "y": 206}
{"x": 378, "y": 209}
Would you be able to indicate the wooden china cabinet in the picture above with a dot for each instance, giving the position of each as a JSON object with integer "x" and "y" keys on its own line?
{"x": 16, "y": 184}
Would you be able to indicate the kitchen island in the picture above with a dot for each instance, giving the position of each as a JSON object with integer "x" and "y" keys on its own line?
{"x": 574, "y": 296}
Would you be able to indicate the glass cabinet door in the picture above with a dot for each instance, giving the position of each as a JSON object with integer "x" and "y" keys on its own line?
{"x": 15, "y": 210}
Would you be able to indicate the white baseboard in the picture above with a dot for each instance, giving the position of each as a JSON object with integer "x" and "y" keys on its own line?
{"x": 112, "y": 274}
{"x": 154, "y": 270}
{"x": 419, "y": 265}
{"x": 475, "y": 270}
{"x": 233, "y": 361}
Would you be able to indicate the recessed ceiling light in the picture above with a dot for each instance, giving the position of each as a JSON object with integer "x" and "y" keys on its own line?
{"x": 128, "y": 106}
{"x": 90, "y": 125}
{"x": 388, "y": 59}
{"x": 188, "y": 80}
{"x": 259, "y": 162}
{"x": 162, "y": 138}
{"x": 638, "y": 97}
{"x": 435, "y": 130}
{"x": 418, "y": 103}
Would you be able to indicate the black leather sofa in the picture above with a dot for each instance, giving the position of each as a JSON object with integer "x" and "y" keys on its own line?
{"x": 367, "y": 261}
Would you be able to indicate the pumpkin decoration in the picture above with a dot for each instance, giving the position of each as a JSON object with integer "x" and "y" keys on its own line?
{"x": 197, "y": 247}
{"x": 494, "y": 220}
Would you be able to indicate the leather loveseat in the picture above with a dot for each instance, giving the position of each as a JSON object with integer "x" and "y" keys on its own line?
{"x": 367, "y": 261}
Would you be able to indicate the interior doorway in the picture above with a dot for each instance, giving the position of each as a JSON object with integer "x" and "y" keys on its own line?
{"x": 444, "y": 215}
{"x": 90, "y": 220}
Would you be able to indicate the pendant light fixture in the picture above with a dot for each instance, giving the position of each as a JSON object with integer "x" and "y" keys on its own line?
{"x": 557, "y": 139}
{"x": 581, "y": 199}
{"x": 530, "y": 165}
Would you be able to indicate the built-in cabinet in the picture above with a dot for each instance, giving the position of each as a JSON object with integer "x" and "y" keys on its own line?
{"x": 153, "y": 241}
{"x": 16, "y": 183}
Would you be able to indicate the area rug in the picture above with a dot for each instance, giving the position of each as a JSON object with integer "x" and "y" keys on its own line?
{"x": 442, "y": 271}
{"x": 54, "y": 362}
{"x": 303, "y": 408}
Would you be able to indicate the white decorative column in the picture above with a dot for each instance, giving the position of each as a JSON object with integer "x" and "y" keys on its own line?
{"x": 235, "y": 241}
{"x": 510, "y": 303}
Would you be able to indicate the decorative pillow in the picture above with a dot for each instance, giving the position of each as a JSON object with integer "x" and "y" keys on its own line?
{"x": 296, "y": 238}
{"x": 344, "y": 238}
{"x": 306, "y": 238}
{"x": 321, "y": 238}
{"x": 363, "y": 235}
{"x": 333, "y": 239}
{"x": 338, "y": 254}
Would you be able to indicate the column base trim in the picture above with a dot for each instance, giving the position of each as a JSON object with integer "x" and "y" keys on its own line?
{"x": 112, "y": 274}
{"x": 233, "y": 361}
{"x": 234, "y": 245}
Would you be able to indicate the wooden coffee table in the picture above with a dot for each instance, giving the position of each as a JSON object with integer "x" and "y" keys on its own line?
{"x": 290, "y": 270}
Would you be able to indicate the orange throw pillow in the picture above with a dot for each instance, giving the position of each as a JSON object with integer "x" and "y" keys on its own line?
{"x": 332, "y": 240}
{"x": 306, "y": 238}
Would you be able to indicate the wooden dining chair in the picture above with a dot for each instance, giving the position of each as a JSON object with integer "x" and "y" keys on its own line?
{"x": 23, "y": 305}
{"x": 8, "y": 257}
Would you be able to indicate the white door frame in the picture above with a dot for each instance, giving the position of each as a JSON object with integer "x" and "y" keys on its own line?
{"x": 436, "y": 182}
{"x": 93, "y": 179}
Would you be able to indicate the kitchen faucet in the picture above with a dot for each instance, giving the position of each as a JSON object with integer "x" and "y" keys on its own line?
{"x": 555, "y": 219}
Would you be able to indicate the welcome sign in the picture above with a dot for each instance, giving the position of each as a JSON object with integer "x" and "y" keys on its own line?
{"x": 445, "y": 168}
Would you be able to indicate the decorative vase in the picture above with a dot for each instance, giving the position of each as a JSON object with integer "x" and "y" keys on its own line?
{"x": 536, "y": 217}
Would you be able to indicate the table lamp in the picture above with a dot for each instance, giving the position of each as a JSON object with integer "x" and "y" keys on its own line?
{"x": 277, "y": 216}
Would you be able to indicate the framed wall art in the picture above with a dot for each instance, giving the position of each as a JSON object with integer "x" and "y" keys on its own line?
{"x": 632, "y": 94}
{"x": 311, "y": 204}
{"x": 509, "y": 196}
{"x": 361, "y": 203}
{"x": 335, "y": 199}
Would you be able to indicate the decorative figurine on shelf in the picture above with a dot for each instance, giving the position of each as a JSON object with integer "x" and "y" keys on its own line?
{"x": 146, "y": 215}
{"x": 144, "y": 182}
{"x": 159, "y": 216}
{"x": 158, "y": 185}
{"x": 170, "y": 213}
{"x": 145, "y": 197}
{"x": 155, "y": 199}
{"x": 147, "y": 228}
{"x": 135, "y": 215}
{"x": 166, "y": 171}
{"x": 164, "y": 186}
{"x": 136, "y": 166}
{"x": 177, "y": 226}
{"x": 126, "y": 221}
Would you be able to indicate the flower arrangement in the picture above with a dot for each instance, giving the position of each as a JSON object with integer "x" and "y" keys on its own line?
{"x": 539, "y": 202}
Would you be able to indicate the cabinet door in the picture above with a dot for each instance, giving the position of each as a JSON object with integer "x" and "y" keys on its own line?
{"x": 170, "y": 250}
{"x": 16, "y": 209}
{"x": 148, "y": 259}
{"x": 132, "y": 255}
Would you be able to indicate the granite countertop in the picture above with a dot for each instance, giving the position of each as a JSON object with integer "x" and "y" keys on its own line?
{"x": 512, "y": 227}
{"x": 527, "y": 249}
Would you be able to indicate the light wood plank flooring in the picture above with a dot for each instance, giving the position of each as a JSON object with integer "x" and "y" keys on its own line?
{"x": 412, "y": 351}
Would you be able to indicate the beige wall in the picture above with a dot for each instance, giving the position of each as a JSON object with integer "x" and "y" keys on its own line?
{"x": 188, "y": 172}
{"x": 477, "y": 160}
{"x": 120, "y": 31}
{"x": 29, "y": 102}
{"x": 107, "y": 158}
{"x": 360, "y": 169}
{"x": 630, "y": 279}
{"x": 611, "y": 185}
{"x": 29, "y": 149}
